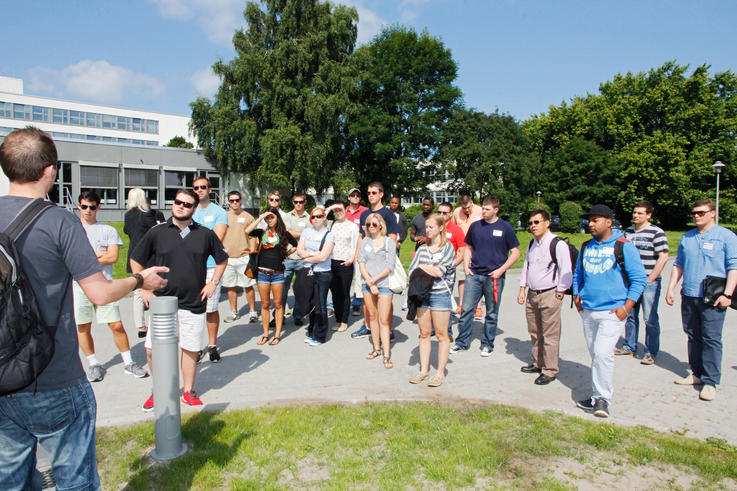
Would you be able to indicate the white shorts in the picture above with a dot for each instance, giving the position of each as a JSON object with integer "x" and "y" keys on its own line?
{"x": 190, "y": 329}
{"x": 85, "y": 311}
{"x": 235, "y": 273}
{"x": 214, "y": 300}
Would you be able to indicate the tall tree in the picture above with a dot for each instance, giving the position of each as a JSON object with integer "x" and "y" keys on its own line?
{"x": 490, "y": 154}
{"x": 179, "y": 142}
{"x": 406, "y": 94}
{"x": 278, "y": 112}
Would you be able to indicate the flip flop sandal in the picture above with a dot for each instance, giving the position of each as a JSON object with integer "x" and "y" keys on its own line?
{"x": 275, "y": 340}
{"x": 262, "y": 341}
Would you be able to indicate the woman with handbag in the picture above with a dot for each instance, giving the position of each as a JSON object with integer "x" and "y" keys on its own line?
{"x": 316, "y": 249}
{"x": 345, "y": 253}
{"x": 276, "y": 244}
{"x": 376, "y": 259}
{"x": 436, "y": 257}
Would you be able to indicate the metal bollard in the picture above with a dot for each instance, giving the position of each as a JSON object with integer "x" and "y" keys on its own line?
{"x": 165, "y": 353}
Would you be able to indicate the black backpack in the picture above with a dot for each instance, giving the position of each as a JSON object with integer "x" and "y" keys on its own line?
{"x": 554, "y": 256}
{"x": 26, "y": 343}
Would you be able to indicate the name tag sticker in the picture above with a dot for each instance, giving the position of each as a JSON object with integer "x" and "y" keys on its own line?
{"x": 357, "y": 221}
{"x": 607, "y": 250}
{"x": 209, "y": 219}
{"x": 497, "y": 233}
{"x": 448, "y": 235}
{"x": 708, "y": 246}
{"x": 242, "y": 220}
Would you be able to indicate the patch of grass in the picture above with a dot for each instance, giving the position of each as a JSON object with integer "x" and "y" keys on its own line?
{"x": 390, "y": 445}
{"x": 119, "y": 270}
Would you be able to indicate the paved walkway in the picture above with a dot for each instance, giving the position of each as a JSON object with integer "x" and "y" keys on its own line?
{"x": 251, "y": 376}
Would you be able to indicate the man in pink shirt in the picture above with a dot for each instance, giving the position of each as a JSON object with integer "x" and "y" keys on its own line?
{"x": 547, "y": 280}
{"x": 464, "y": 216}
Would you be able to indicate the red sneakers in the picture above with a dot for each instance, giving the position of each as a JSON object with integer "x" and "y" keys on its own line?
{"x": 148, "y": 406}
{"x": 189, "y": 398}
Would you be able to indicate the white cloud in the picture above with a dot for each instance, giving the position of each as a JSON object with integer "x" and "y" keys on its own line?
{"x": 369, "y": 22}
{"x": 205, "y": 82}
{"x": 94, "y": 80}
{"x": 411, "y": 9}
{"x": 218, "y": 19}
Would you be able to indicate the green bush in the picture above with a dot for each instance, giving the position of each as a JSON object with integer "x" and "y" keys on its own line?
{"x": 570, "y": 216}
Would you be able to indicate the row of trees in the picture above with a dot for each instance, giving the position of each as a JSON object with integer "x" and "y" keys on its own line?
{"x": 301, "y": 107}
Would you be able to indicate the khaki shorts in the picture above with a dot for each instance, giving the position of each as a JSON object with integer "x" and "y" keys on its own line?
{"x": 214, "y": 300}
{"x": 460, "y": 273}
{"x": 235, "y": 273}
{"x": 190, "y": 328}
{"x": 85, "y": 311}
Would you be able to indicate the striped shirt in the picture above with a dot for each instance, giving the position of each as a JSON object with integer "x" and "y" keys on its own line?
{"x": 443, "y": 259}
{"x": 650, "y": 242}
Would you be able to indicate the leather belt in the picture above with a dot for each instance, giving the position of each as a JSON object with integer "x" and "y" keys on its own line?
{"x": 538, "y": 292}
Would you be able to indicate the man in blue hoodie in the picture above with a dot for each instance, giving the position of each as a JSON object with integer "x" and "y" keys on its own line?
{"x": 605, "y": 295}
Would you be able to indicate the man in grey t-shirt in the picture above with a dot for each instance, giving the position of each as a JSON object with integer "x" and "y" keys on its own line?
{"x": 58, "y": 410}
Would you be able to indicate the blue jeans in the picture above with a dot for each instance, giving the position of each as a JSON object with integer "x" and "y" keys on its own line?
{"x": 476, "y": 286}
{"x": 703, "y": 326}
{"x": 63, "y": 422}
{"x": 290, "y": 267}
{"x": 649, "y": 303}
{"x": 318, "y": 327}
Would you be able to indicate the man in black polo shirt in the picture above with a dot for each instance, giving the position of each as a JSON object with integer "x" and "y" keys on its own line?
{"x": 183, "y": 246}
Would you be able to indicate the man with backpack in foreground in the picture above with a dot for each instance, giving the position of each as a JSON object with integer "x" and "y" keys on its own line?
{"x": 608, "y": 280}
{"x": 51, "y": 402}
{"x": 547, "y": 272}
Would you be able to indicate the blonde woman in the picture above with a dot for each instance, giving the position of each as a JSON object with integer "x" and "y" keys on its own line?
{"x": 436, "y": 257}
{"x": 376, "y": 258}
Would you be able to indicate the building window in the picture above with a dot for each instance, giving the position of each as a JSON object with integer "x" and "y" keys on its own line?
{"x": 61, "y": 116}
{"x": 6, "y": 110}
{"x": 124, "y": 123}
{"x": 146, "y": 179}
{"x": 152, "y": 126}
{"x": 21, "y": 111}
{"x": 40, "y": 113}
{"x": 137, "y": 124}
{"x": 76, "y": 118}
{"x": 102, "y": 180}
{"x": 175, "y": 180}
{"x": 108, "y": 121}
{"x": 94, "y": 120}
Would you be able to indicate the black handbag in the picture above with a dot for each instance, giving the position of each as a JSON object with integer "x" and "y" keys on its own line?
{"x": 713, "y": 287}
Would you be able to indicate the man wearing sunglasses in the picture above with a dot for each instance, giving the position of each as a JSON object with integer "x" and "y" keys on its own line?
{"x": 183, "y": 246}
{"x": 106, "y": 242}
{"x": 214, "y": 217}
{"x": 707, "y": 250}
{"x": 296, "y": 222}
{"x": 239, "y": 246}
{"x": 543, "y": 283}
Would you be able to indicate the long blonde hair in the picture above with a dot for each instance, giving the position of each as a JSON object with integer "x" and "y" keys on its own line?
{"x": 137, "y": 199}
{"x": 440, "y": 222}
{"x": 380, "y": 219}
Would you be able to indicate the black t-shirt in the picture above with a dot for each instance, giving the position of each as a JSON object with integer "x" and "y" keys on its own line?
{"x": 137, "y": 223}
{"x": 270, "y": 256}
{"x": 185, "y": 253}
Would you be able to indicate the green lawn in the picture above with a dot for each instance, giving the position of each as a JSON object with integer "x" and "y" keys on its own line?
{"x": 409, "y": 446}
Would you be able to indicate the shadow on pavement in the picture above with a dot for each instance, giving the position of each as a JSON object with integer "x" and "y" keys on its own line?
{"x": 672, "y": 364}
{"x": 213, "y": 376}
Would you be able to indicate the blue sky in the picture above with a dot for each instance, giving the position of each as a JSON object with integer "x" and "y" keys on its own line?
{"x": 515, "y": 56}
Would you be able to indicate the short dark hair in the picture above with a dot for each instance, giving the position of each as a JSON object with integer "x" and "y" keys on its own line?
{"x": 446, "y": 204}
{"x": 377, "y": 185}
{"x": 428, "y": 198}
{"x": 491, "y": 200}
{"x": 465, "y": 199}
{"x": 89, "y": 196}
{"x": 704, "y": 202}
{"x": 338, "y": 202}
{"x": 299, "y": 194}
{"x": 189, "y": 193}
{"x": 542, "y": 213}
{"x": 395, "y": 197}
{"x": 237, "y": 193}
{"x": 25, "y": 153}
{"x": 199, "y": 178}
{"x": 649, "y": 208}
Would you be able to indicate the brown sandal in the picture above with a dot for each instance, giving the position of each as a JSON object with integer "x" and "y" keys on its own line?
{"x": 275, "y": 340}
{"x": 373, "y": 354}
{"x": 388, "y": 362}
{"x": 262, "y": 341}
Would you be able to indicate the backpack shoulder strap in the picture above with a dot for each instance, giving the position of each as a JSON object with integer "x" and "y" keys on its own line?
{"x": 619, "y": 257}
{"x": 554, "y": 255}
{"x": 26, "y": 216}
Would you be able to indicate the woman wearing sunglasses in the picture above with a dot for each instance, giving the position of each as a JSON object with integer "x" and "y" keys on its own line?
{"x": 316, "y": 249}
{"x": 345, "y": 252}
{"x": 276, "y": 245}
{"x": 436, "y": 257}
{"x": 376, "y": 259}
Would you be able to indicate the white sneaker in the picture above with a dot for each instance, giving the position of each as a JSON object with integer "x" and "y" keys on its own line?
{"x": 485, "y": 351}
{"x": 690, "y": 379}
{"x": 232, "y": 317}
{"x": 454, "y": 348}
{"x": 287, "y": 312}
{"x": 252, "y": 316}
{"x": 708, "y": 393}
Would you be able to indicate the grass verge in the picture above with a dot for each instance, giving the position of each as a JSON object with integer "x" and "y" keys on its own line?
{"x": 408, "y": 445}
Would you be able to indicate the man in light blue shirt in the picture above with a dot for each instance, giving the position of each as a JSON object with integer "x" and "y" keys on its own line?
{"x": 214, "y": 217}
{"x": 707, "y": 250}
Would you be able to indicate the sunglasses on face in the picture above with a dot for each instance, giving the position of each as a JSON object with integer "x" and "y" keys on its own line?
{"x": 91, "y": 207}
{"x": 317, "y": 216}
{"x": 233, "y": 200}
{"x": 373, "y": 225}
{"x": 354, "y": 195}
{"x": 270, "y": 217}
{"x": 699, "y": 213}
{"x": 197, "y": 188}
{"x": 275, "y": 199}
{"x": 298, "y": 202}
{"x": 534, "y": 222}
{"x": 185, "y": 204}
{"x": 444, "y": 212}
{"x": 373, "y": 192}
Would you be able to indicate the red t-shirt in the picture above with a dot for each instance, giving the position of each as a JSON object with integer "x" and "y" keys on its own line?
{"x": 455, "y": 235}
{"x": 355, "y": 216}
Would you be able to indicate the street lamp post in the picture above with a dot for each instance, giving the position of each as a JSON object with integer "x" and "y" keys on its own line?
{"x": 718, "y": 170}
{"x": 539, "y": 193}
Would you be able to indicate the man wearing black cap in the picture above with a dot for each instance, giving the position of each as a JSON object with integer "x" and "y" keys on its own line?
{"x": 608, "y": 281}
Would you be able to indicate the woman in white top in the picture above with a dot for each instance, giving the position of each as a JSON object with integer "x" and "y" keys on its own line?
{"x": 345, "y": 253}
{"x": 436, "y": 257}
{"x": 376, "y": 257}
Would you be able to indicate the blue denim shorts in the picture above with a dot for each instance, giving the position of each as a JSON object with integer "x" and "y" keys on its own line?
{"x": 383, "y": 290}
{"x": 437, "y": 301}
{"x": 272, "y": 279}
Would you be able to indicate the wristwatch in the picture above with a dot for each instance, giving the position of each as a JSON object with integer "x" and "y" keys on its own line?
{"x": 215, "y": 282}
{"x": 559, "y": 295}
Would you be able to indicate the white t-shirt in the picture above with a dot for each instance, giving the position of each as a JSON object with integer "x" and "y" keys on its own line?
{"x": 101, "y": 236}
